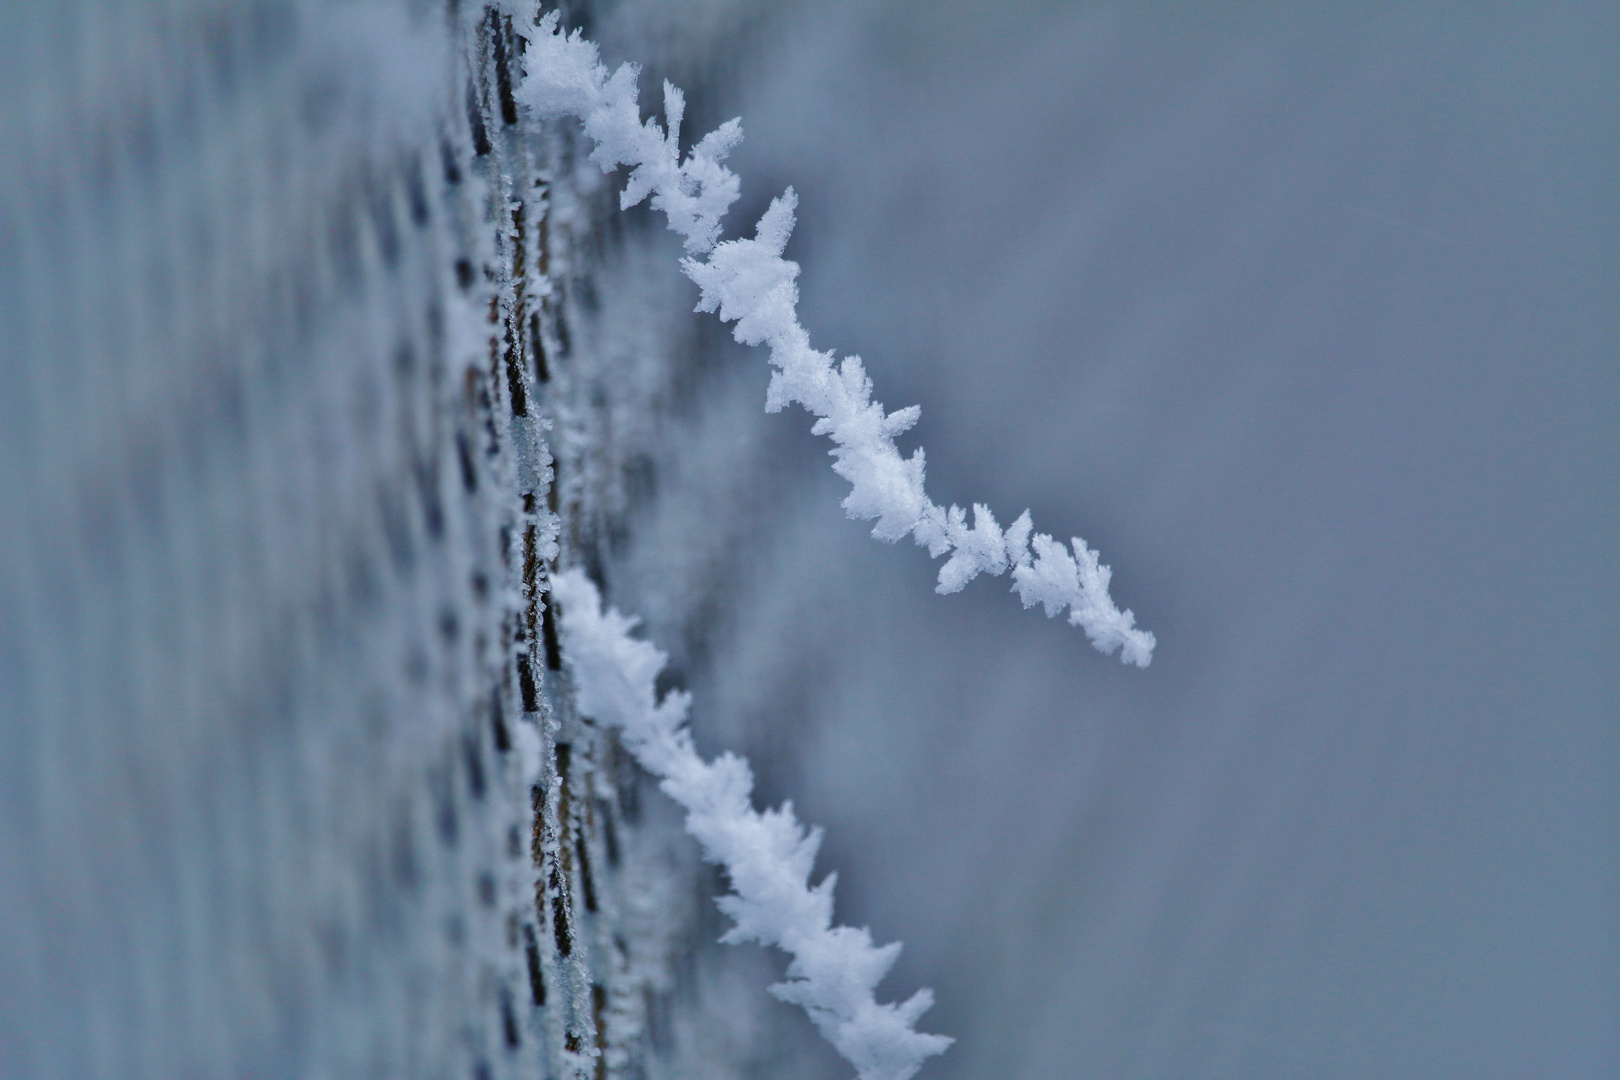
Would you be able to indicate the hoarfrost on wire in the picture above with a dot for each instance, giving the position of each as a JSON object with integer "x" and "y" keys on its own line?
{"x": 767, "y": 854}
{"x": 747, "y": 281}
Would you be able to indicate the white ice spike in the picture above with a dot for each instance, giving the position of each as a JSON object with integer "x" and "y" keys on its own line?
{"x": 768, "y": 855}
{"x": 748, "y": 282}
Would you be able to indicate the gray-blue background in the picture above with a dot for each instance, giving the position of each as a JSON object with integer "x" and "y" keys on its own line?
{"x": 1308, "y": 318}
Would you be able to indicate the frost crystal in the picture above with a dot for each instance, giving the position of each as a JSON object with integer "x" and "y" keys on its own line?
{"x": 749, "y": 283}
{"x": 767, "y": 854}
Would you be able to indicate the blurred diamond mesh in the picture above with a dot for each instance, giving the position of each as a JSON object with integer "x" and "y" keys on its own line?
{"x": 291, "y": 780}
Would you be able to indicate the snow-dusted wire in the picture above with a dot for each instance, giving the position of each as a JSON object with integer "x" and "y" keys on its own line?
{"x": 748, "y": 282}
{"x": 767, "y": 854}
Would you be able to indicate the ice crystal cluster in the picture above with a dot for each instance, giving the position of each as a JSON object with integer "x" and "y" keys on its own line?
{"x": 749, "y": 282}
{"x": 767, "y": 855}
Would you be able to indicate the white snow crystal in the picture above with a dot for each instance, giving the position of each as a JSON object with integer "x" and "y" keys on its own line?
{"x": 748, "y": 282}
{"x": 768, "y": 855}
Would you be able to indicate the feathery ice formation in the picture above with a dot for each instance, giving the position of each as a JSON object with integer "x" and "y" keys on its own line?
{"x": 768, "y": 855}
{"x": 748, "y": 282}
